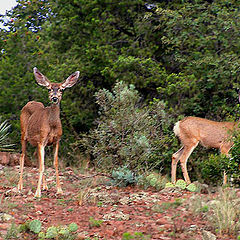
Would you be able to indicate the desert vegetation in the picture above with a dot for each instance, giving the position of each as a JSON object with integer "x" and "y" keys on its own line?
{"x": 143, "y": 66}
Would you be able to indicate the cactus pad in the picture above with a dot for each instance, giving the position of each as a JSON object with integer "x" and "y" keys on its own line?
{"x": 191, "y": 187}
{"x": 169, "y": 185}
{"x": 181, "y": 184}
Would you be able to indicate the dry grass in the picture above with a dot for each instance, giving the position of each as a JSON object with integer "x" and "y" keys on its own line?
{"x": 225, "y": 211}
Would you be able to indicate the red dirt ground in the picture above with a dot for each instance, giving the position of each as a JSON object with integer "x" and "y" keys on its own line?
{"x": 155, "y": 214}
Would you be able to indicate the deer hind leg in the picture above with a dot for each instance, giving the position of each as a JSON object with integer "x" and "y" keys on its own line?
{"x": 41, "y": 169}
{"x": 24, "y": 148}
{"x": 224, "y": 149}
{"x": 56, "y": 147}
{"x": 187, "y": 150}
{"x": 175, "y": 158}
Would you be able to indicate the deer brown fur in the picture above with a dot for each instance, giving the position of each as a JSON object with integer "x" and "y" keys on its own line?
{"x": 193, "y": 130}
{"x": 41, "y": 126}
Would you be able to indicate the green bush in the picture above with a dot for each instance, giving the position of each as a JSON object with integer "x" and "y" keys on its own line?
{"x": 123, "y": 177}
{"x": 127, "y": 132}
{"x": 212, "y": 168}
{"x": 233, "y": 164}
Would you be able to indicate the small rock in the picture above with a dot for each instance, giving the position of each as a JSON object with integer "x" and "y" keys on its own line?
{"x": 6, "y": 217}
{"x": 208, "y": 235}
{"x": 30, "y": 193}
{"x": 116, "y": 216}
{"x": 38, "y": 212}
{"x": 192, "y": 228}
{"x": 14, "y": 190}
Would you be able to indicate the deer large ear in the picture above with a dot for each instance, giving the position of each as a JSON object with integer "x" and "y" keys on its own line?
{"x": 40, "y": 78}
{"x": 71, "y": 80}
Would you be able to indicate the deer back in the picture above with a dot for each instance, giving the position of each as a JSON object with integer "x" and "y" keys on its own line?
{"x": 208, "y": 133}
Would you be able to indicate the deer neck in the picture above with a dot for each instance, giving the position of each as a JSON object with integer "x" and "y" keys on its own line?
{"x": 54, "y": 114}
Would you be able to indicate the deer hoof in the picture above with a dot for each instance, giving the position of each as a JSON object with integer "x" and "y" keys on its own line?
{"x": 59, "y": 191}
{"x": 37, "y": 194}
{"x": 20, "y": 187}
{"x": 45, "y": 187}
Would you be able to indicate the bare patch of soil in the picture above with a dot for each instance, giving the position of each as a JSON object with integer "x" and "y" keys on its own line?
{"x": 160, "y": 215}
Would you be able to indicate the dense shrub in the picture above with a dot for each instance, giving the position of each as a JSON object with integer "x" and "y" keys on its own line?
{"x": 211, "y": 168}
{"x": 127, "y": 132}
{"x": 214, "y": 166}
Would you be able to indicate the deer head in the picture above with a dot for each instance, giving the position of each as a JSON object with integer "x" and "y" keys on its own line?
{"x": 55, "y": 89}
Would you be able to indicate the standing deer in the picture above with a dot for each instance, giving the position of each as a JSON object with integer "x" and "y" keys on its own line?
{"x": 211, "y": 134}
{"x": 41, "y": 126}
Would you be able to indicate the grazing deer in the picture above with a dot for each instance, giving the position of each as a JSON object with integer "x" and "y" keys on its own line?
{"x": 211, "y": 134}
{"x": 41, "y": 126}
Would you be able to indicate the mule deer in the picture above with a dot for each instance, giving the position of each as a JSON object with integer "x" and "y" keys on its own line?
{"x": 211, "y": 134}
{"x": 41, "y": 126}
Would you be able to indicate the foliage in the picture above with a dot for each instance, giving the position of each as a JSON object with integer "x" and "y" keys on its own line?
{"x": 52, "y": 232}
{"x": 185, "y": 53}
{"x": 135, "y": 236}
{"x": 233, "y": 164}
{"x": 192, "y": 187}
{"x": 225, "y": 212}
{"x": 213, "y": 168}
{"x": 72, "y": 227}
{"x": 167, "y": 205}
{"x": 182, "y": 185}
{"x": 12, "y": 232}
{"x": 169, "y": 185}
{"x": 156, "y": 180}
{"x": 95, "y": 223}
{"x": 195, "y": 39}
{"x": 123, "y": 177}
{"x": 4, "y": 132}
{"x": 127, "y": 133}
{"x": 35, "y": 226}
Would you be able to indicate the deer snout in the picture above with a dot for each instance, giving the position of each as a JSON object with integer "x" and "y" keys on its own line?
{"x": 55, "y": 100}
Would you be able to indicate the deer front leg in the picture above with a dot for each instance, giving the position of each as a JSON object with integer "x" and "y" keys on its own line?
{"x": 20, "y": 183}
{"x": 41, "y": 169}
{"x": 56, "y": 147}
{"x": 44, "y": 182}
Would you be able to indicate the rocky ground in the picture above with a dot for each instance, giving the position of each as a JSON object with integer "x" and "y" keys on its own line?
{"x": 102, "y": 211}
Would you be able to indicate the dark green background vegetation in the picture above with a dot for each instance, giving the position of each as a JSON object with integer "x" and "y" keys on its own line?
{"x": 184, "y": 53}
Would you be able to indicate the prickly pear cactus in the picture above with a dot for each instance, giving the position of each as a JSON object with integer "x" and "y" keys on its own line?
{"x": 153, "y": 182}
{"x": 181, "y": 184}
{"x": 191, "y": 187}
{"x": 169, "y": 185}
